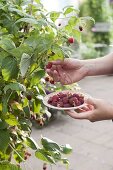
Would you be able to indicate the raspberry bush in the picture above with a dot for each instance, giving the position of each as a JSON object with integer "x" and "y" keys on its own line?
{"x": 29, "y": 38}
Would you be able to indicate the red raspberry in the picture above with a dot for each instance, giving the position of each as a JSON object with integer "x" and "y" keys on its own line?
{"x": 49, "y": 65}
{"x": 25, "y": 157}
{"x": 46, "y": 78}
{"x": 52, "y": 82}
{"x": 71, "y": 40}
{"x": 80, "y": 28}
{"x": 29, "y": 97}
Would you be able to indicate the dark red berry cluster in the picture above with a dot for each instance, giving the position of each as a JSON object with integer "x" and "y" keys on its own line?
{"x": 80, "y": 28}
{"x": 27, "y": 155}
{"x": 49, "y": 79}
{"x": 49, "y": 65}
{"x": 66, "y": 100}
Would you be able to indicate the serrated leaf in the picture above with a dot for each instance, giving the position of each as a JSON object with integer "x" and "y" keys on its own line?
{"x": 11, "y": 120}
{"x": 68, "y": 11}
{"x": 9, "y": 65}
{"x": 87, "y": 18}
{"x": 8, "y": 166}
{"x": 44, "y": 156}
{"x": 65, "y": 161}
{"x": 7, "y": 44}
{"x": 36, "y": 77}
{"x": 3, "y": 124}
{"x": 36, "y": 106}
{"x": 24, "y": 63}
{"x": 4, "y": 140}
{"x": 5, "y": 100}
{"x": 54, "y": 16}
{"x": 31, "y": 143}
{"x": 27, "y": 20}
{"x": 66, "y": 149}
{"x": 3, "y": 54}
{"x": 14, "y": 86}
{"x": 23, "y": 48}
{"x": 49, "y": 144}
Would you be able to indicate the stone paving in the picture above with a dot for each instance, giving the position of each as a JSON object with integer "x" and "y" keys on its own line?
{"x": 92, "y": 143}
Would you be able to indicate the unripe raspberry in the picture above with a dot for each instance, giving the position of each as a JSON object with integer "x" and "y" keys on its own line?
{"x": 71, "y": 40}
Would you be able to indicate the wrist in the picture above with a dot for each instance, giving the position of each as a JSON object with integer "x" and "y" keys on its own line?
{"x": 89, "y": 66}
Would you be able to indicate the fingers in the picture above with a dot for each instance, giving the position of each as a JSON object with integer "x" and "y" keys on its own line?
{"x": 82, "y": 115}
{"x": 58, "y": 62}
{"x": 92, "y": 102}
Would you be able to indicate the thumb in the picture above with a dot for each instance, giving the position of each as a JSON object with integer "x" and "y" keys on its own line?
{"x": 91, "y": 101}
{"x": 58, "y": 62}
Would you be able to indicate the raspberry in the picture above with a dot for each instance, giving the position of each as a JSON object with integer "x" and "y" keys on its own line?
{"x": 25, "y": 157}
{"x": 65, "y": 100}
{"x": 67, "y": 105}
{"x": 29, "y": 97}
{"x": 52, "y": 82}
{"x": 50, "y": 100}
{"x": 49, "y": 65}
{"x": 71, "y": 40}
{"x": 80, "y": 28}
{"x": 60, "y": 104}
{"x": 46, "y": 78}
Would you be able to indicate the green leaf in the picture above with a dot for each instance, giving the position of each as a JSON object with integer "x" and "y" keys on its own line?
{"x": 23, "y": 48}
{"x": 11, "y": 120}
{"x": 26, "y": 110}
{"x": 5, "y": 100}
{"x": 87, "y": 18}
{"x": 8, "y": 166}
{"x": 68, "y": 11}
{"x": 31, "y": 143}
{"x": 73, "y": 21}
{"x": 36, "y": 106}
{"x": 25, "y": 63}
{"x": 56, "y": 155}
{"x": 44, "y": 156}
{"x": 25, "y": 124}
{"x": 54, "y": 16}
{"x": 27, "y": 20}
{"x": 7, "y": 44}
{"x": 76, "y": 34}
{"x": 49, "y": 144}
{"x": 14, "y": 86}
{"x": 3, "y": 54}
{"x": 3, "y": 124}
{"x": 36, "y": 77}
{"x": 33, "y": 41}
{"x": 4, "y": 140}
{"x": 9, "y": 68}
{"x": 66, "y": 149}
{"x": 65, "y": 161}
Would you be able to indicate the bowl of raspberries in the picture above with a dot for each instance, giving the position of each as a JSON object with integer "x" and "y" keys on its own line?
{"x": 64, "y": 100}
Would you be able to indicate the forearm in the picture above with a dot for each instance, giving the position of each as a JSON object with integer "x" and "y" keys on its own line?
{"x": 99, "y": 66}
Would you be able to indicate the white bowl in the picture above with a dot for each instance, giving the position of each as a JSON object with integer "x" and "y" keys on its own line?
{"x": 46, "y": 98}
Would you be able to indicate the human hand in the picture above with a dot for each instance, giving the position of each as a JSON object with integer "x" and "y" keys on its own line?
{"x": 67, "y": 71}
{"x": 96, "y": 110}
